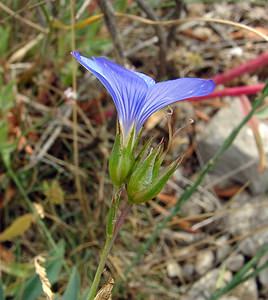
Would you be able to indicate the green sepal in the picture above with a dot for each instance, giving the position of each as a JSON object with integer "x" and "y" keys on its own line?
{"x": 158, "y": 161}
{"x": 122, "y": 158}
{"x": 142, "y": 153}
{"x": 137, "y": 196}
{"x": 142, "y": 176}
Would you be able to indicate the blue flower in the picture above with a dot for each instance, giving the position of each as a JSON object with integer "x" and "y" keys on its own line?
{"x": 136, "y": 95}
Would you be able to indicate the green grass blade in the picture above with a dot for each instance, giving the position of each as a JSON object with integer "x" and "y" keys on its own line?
{"x": 2, "y": 295}
{"x": 73, "y": 287}
{"x": 243, "y": 274}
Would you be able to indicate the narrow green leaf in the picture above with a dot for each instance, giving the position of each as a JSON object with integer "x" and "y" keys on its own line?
{"x": 72, "y": 290}
{"x": 262, "y": 113}
{"x": 243, "y": 274}
{"x": 2, "y": 295}
{"x": 7, "y": 97}
{"x": 265, "y": 90}
{"x": 4, "y": 33}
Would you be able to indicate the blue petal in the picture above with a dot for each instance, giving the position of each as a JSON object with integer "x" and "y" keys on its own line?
{"x": 168, "y": 92}
{"x": 127, "y": 88}
{"x": 149, "y": 80}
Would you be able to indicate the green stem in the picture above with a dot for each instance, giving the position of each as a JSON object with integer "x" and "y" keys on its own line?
{"x": 103, "y": 258}
{"x": 110, "y": 237}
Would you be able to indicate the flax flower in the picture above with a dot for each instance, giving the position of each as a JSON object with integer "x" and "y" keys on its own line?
{"x": 137, "y": 96}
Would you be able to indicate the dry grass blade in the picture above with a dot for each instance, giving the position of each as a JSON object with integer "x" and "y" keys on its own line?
{"x": 23, "y": 20}
{"x": 90, "y": 20}
{"x": 19, "y": 54}
{"x": 188, "y": 20}
{"x": 105, "y": 293}
{"x": 41, "y": 272}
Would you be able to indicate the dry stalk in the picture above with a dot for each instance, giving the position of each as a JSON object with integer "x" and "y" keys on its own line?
{"x": 20, "y": 18}
{"x": 109, "y": 18}
{"x": 161, "y": 36}
{"x": 41, "y": 272}
{"x": 81, "y": 198}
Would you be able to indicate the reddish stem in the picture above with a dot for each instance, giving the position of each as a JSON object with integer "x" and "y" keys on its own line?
{"x": 246, "y": 107}
{"x": 249, "y": 66}
{"x": 233, "y": 91}
{"x": 254, "y": 125}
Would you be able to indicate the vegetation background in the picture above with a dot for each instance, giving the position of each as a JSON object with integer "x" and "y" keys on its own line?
{"x": 57, "y": 127}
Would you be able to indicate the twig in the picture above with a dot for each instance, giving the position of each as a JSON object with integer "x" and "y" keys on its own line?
{"x": 190, "y": 20}
{"x": 109, "y": 19}
{"x": 141, "y": 46}
{"x": 80, "y": 195}
{"x": 83, "y": 7}
{"x": 23, "y": 20}
{"x": 95, "y": 18}
{"x": 45, "y": 142}
{"x": 161, "y": 35}
{"x": 177, "y": 13}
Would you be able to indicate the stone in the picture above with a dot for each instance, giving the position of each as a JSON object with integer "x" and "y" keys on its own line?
{"x": 191, "y": 208}
{"x": 249, "y": 218}
{"x": 235, "y": 262}
{"x": 173, "y": 269}
{"x": 263, "y": 276}
{"x": 229, "y": 298}
{"x": 240, "y": 161}
{"x": 203, "y": 288}
{"x": 247, "y": 290}
{"x": 223, "y": 248}
{"x": 204, "y": 261}
{"x": 188, "y": 271}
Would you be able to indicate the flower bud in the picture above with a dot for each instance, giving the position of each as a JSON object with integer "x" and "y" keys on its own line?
{"x": 145, "y": 182}
{"x": 121, "y": 159}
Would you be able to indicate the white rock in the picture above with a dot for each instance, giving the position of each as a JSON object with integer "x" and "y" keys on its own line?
{"x": 246, "y": 218}
{"x": 205, "y": 286}
{"x": 223, "y": 248}
{"x": 204, "y": 261}
{"x": 235, "y": 262}
{"x": 247, "y": 290}
{"x": 191, "y": 208}
{"x": 188, "y": 271}
{"x": 240, "y": 161}
{"x": 229, "y": 298}
{"x": 263, "y": 276}
{"x": 173, "y": 269}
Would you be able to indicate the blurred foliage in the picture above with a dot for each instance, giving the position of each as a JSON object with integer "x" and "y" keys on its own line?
{"x": 42, "y": 74}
